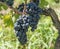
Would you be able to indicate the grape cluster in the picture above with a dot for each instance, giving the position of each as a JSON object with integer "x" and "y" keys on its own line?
{"x": 21, "y": 27}
{"x": 22, "y": 24}
{"x": 33, "y": 10}
{"x": 31, "y": 19}
{"x": 34, "y": 21}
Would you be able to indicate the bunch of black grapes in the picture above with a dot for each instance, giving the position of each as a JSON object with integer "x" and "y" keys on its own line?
{"x": 31, "y": 19}
{"x": 34, "y": 11}
{"x": 8, "y": 2}
{"x": 24, "y": 21}
{"x": 21, "y": 27}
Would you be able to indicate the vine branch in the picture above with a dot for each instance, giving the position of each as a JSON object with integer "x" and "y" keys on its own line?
{"x": 50, "y": 12}
{"x": 15, "y": 10}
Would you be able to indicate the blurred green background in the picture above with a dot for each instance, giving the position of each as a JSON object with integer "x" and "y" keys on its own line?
{"x": 43, "y": 37}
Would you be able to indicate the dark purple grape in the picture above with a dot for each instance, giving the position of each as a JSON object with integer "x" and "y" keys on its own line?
{"x": 25, "y": 21}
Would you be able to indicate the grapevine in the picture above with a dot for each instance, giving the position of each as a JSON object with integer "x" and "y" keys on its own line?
{"x": 29, "y": 17}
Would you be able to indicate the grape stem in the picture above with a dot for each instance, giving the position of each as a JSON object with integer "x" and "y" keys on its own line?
{"x": 25, "y": 7}
{"x": 13, "y": 9}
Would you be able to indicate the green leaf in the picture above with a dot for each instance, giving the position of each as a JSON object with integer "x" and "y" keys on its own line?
{"x": 8, "y": 20}
{"x": 43, "y": 3}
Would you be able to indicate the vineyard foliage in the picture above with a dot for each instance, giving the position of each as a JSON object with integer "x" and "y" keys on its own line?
{"x": 43, "y": 37}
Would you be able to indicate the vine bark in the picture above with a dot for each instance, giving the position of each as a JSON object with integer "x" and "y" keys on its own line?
{"x": 56, "y": 23}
